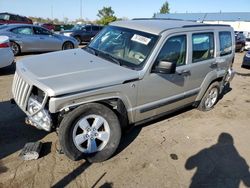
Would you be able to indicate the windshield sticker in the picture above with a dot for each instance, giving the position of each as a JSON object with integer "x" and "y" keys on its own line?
{"x": 141, "y": 39}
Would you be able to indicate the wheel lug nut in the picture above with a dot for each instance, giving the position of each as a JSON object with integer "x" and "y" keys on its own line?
{"x": 96, "y": 134}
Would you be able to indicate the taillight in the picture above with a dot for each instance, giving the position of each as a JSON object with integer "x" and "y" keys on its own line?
{"x": 5, "y": 45}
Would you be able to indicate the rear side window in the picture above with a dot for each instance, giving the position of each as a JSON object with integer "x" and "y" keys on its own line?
{"x": 174, "y": 50}
{"x": 4, "y": 17}
{"x": 225, "y": 43}
{"x": 203, "y": 46}
{"x": 23, "y": 30}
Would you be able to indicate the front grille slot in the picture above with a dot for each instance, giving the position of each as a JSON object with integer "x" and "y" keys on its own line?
{"x": 21, "y": 90}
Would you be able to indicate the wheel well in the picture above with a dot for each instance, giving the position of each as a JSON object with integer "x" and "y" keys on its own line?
{"x": 69, "y": 42}
{"x": 115, "y": 104}
{"x": 217, "y": 80}
{"x": 119, "y": 108}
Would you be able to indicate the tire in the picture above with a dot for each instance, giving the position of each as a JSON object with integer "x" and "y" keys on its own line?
{"x": 15, "y": 48}
{"x": 210, "y": 98}
{"x": 78, "y": 39}
{"x": 74, "y": 124}
{"x": 67, "y": 46}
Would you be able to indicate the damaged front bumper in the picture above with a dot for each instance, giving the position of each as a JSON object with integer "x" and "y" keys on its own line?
{"x": 229, "y": 76}
{"x": 40, "y": 120}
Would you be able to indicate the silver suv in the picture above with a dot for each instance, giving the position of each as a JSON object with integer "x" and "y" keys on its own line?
{"x": 131, "y": 72}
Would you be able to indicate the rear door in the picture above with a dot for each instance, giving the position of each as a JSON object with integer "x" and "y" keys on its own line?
{"x": 24, "y": 35}
{"x": 201, "y": 61}
{"x": 47, "y": 41}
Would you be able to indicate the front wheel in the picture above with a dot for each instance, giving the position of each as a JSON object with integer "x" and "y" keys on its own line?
{"x": 91, "y": 131}
{"x": 210, "y": 98}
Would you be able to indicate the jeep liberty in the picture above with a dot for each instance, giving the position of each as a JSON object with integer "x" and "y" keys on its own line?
{"x": 131, "y": 72}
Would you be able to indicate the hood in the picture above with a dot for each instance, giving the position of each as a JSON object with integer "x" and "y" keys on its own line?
{"x": 70, "y": 71}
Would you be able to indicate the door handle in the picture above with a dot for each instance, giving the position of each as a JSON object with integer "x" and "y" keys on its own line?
{"x": 214, "y": 65}
{"x": 41, "y": 38}
{"x": 185, "y": 72}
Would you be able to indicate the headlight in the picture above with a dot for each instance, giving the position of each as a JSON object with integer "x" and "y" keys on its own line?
{"x": 33, "y": 106}
{"x": 41, "y": 117}
{"x": 248, "y": 55}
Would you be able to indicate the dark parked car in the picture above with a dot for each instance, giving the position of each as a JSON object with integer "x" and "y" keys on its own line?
{"x": 240, "y": 41}
{"x": 7, "y": 18}
{"x": 246, "y": 60}
{"x": 49, "y": 26}
{"x": 83, "y": 33}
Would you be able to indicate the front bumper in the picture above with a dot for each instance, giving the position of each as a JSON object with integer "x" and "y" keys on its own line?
{"x": 38, "y": 116}
{"x": 37, "y": 120}
{"x": 230, "y": 75}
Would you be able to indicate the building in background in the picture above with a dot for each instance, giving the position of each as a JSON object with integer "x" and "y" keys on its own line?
{"x": 240, "y": 21}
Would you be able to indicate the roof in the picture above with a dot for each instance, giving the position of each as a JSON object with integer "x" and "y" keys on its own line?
{"x": 221, "y": 16}
{"x": 156, "y": 26}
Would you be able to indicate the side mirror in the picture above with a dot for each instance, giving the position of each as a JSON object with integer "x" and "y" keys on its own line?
{"x": 165, "y": 67}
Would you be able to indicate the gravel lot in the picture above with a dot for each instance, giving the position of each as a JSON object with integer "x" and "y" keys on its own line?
{"x": 179, "y": 150}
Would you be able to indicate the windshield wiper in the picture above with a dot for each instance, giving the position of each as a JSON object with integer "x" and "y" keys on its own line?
{"x": 102, "y": 54}
{"x": 109, "y": 57}
{"x": 91, "y": 50}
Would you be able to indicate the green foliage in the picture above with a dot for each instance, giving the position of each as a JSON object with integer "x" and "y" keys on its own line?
{"x": 106, "y": 15}
{"x": 165, "y": 8}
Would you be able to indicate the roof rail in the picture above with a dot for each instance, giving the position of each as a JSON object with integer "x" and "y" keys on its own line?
{"x": 205, "y": 25}
{"x": 157, "y": 19}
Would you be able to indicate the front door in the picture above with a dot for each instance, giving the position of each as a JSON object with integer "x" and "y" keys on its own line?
{"x": 160, "y": 92}
{"x": 47, "y": 41}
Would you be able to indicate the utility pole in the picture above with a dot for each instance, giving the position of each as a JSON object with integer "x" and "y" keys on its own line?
{"x": 81, "y": 9}
{"x": 52, "y": 12}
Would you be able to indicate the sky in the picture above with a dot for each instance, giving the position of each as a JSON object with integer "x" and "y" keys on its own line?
{"x": 123, "y": 8}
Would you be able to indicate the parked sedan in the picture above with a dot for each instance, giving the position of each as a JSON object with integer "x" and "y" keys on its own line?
{"x": 6, "y": 54}
{"x": 246, "y": 60}
{"x": 247, "y": 47}
{"x": 32, "y": 38}
{"x": 83, "y": 33}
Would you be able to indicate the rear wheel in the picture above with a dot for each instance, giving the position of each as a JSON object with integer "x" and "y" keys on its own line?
{"x": 15, "y": 48}
{"x": 91, "y": 131}
{"x": 210, "y": 98}
{"x": 67, "y": 45}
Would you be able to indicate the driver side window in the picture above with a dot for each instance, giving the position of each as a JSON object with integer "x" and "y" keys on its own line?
{"x": 174, "y": 50}
{"x": 41, "y": 31}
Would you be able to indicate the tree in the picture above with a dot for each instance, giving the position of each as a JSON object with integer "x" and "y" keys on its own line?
{"x": 165, "y": 8}
{"x": 106, "y": 15}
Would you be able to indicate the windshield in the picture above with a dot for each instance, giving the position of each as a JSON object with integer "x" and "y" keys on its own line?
{"x": 129, "y": 47}
{"x": 77, "y": 27}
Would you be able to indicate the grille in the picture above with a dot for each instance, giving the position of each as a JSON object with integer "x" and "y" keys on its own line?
{"x": 21, "y": 91}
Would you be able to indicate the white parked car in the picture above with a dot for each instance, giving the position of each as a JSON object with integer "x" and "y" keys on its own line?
{"x": 247, "y": 46}
{"x": 6, "y": 54}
